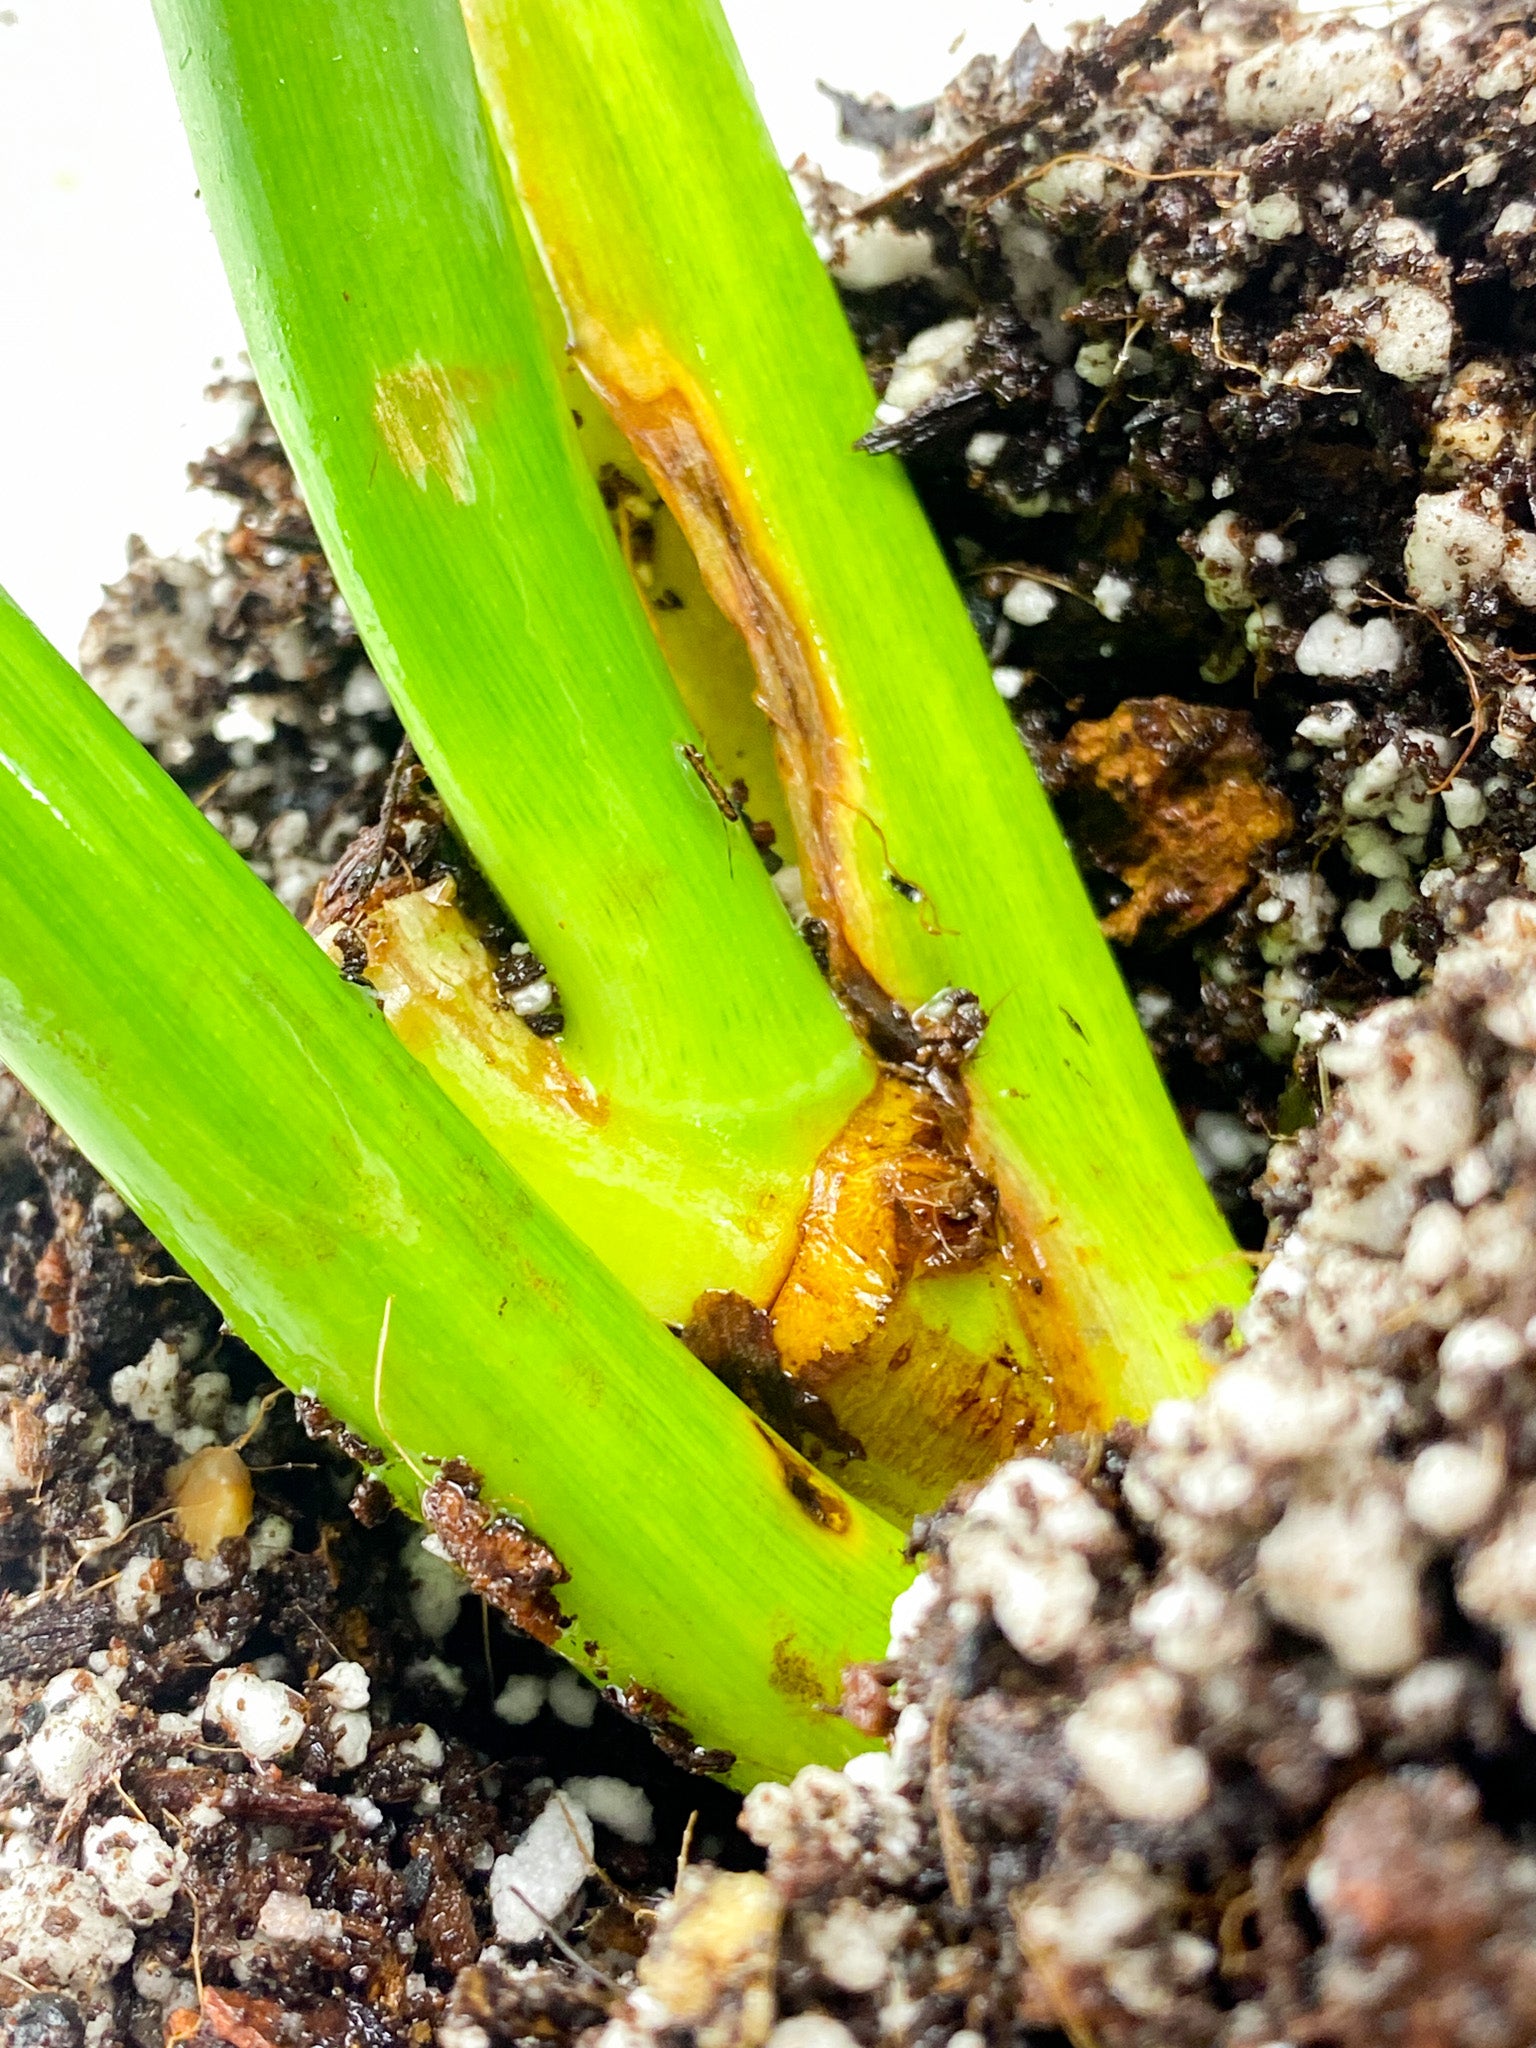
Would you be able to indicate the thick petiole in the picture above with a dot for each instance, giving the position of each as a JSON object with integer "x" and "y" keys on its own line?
{"x": 307, "y": 1172}
{"x": 702, "y": 316}
{"x": 364, "y": 219}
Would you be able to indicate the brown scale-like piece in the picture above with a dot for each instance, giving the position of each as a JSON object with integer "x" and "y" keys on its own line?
{"x": 1174, "y": 799}
{"x": 502, "y": 1561}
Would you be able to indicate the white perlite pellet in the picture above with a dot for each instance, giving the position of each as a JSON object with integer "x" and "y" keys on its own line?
{"x": 289, "y": 1917}
{"x": 1329, "y": 726}
{"x": 344, "y": 1691}
{"x": 521, "y": 1699}
{"x": 614, "y": 1804}
{"x": 74, "y": 1740}
{"x": 1456, "y": 547}
{"x": 853, "y": 1945}
{"x": 571, "y": 1699}
{"x": 261, "y": 1716}
{"x": 345, "y": 1686}
{"x": 1194, "y": 1627}
{"x": 869, "y": 255}
{"x": 436, "y": 1588}
{"x": 138, "y": 1870}
{"x": 57, "y": 1928}
{"x": 1028, "y": 603}
{"x": 534, "y": 1887}
{"x": 134, "y": 1597}
{"x": 1452, "y": 1486}
{"x": 1025, "y": 1547}
{"x": 810, "y": 2030}
{"x": 1330, "y": 73}
{"x": 1338, "y": 649}
{"x": 1123, "y": 1737}
{"x": 925, "y": 366}
{"x": 150, "y": 1390}
{"x": 425, "y": 1747}
{"x": 1107, "y": 1910}
{"x": 1348, "y": 1571}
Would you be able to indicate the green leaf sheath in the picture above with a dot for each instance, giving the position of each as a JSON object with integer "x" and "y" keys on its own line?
{"x": 255, "y": 1110}
{"x": 700, "y": 311}
{"x": 378, "y": 262}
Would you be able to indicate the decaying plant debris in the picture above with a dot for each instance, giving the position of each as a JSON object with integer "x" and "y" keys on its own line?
{"x": 1206, "y": 347}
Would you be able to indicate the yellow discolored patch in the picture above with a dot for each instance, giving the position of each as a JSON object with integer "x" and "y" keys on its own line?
{"x": 213, "y": 1497}
{"x": 892, "y": 1196}
{"x": 667, "y": 418}
{"x": 947, "y": 1387}
{"x": 703, "y": 648}
{"x": 850, "y": 1262}
{"x": 901, "y": 1309}
{"x": 432, "y": 972}
{"x": 426, "y": 426}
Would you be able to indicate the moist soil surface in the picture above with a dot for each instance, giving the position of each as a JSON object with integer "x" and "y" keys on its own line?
{"x": 1206, "y": 343}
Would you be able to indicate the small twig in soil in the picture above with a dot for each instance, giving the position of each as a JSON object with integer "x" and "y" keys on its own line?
{"x": 571, "y": 1954}
{"x": 394, "y": 789}
{"x": 485, "y": 1643}
{"x": 268, "y": 1403}
{"x": 632, "y": 1902}
{"x": 1112, "y": 388}
{"x": 1054, "y": 1984}
{"x": 1046, "y": 576}
{"x": 126, "y": 1796}
{"x": 1112, "y": 163}
{"x": 47, "y": 1591}
{"x": 1464, "y": 659}
{"x": 319, "y": 1631}
{"x": 197, "y": 1944}
{"x": 952, "y": 1843}
{"x": 686, "y": 1846}
{"x": 1287, "y": 378}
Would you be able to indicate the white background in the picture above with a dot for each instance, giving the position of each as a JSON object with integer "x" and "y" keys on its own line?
{"x": 113, "y": 309}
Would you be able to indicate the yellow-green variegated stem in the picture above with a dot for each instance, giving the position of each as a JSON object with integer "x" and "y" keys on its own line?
{"x": 255, "y": 1110}
{"x": 378, "y": 263}
{"x": 701, "y": 315}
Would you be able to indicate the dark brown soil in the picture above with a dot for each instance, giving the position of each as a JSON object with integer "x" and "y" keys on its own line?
{"x": 1195, "y": 310}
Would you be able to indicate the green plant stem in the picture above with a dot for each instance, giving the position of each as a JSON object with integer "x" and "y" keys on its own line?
{"x": 256, "y": 1112}
{"x": 702, "y": 316}
{"x": 378, "y": 264}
